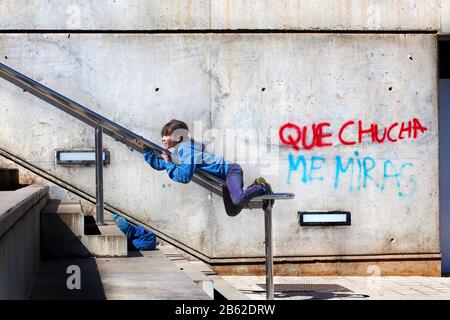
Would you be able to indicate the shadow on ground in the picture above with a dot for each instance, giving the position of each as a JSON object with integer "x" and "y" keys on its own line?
{"x": 312, "y": 295}
{"x": 320, "y": 295}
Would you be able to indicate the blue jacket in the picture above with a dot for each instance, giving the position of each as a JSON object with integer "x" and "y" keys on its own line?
{"x": 188, "y": 155}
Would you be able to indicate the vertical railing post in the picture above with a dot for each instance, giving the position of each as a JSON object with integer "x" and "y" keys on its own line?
{"x": 99, "y": 174}
{"x": 269, "y": 253}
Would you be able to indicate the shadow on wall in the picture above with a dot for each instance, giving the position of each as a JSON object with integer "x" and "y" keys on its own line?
{"x": 57, "y": 239}
{"x": 9, "y": 180}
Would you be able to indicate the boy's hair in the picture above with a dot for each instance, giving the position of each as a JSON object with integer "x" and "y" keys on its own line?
{"x": 175, "y": 126}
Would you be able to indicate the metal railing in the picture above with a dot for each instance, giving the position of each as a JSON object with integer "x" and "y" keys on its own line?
{"x": 127, "y": 137}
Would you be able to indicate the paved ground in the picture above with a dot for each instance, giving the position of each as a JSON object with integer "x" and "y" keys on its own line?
{"x": 365, "y": 288}
{"x": 145, "y": 275}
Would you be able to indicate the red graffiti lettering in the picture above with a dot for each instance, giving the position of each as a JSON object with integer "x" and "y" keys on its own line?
{"x": 389, "y": 132}
{"x": 320, "y": 135}
{"x": 405, "y": 129}
{"x": 417, "y": 126}
{"x": 308, "y": 137}
{"x": 315, "y": 135}
{"x": 362, "y": 132}
{"x": 341, "y": 131}
{"x": 375, "y": 134}
{"x": 289, "y": 140}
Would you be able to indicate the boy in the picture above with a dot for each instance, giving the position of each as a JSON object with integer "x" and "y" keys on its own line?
{"x": 188, "y": 155}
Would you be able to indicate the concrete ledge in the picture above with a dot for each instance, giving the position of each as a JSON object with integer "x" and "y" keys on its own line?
{"x": 20, "y": 240}
{"x": 14, "y": 204}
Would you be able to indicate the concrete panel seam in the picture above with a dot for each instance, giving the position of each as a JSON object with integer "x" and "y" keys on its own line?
{"x": 216, "y": 31}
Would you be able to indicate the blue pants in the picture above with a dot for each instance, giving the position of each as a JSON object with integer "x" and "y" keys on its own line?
{"x": 138, "y": 236}
{"x": 235, "y": 184}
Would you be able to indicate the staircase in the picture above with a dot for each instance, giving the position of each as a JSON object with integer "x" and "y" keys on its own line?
{"x": 67, "y": 232}
{"x": 44, "y": 242}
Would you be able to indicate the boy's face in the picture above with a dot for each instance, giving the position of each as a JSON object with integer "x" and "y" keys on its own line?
{"x": 168, "y": 142}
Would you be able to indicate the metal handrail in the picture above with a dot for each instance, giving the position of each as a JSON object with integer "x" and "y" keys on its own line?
{"x": 112, "y": 129}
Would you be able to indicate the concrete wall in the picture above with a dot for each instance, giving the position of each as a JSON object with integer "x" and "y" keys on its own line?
{"x": 20, "y": 240}
{"x": 218, "y": 79}
{"x": 250, "y": 84}
{"x": 226, "y": 14}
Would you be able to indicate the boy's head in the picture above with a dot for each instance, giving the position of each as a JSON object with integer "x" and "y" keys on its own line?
{"x": 173, "y": 133}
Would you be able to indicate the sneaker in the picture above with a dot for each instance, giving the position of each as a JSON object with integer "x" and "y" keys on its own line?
{"x": 267, "y": 190}
{"x": 260, "y": 180}
{"x": 257, "y": 181}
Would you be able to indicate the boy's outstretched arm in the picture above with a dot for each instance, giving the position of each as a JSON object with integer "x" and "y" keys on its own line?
{"x": 184, "y": 172}
{"x": 154, "y": 161}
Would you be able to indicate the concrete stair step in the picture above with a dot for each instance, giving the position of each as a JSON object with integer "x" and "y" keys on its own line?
{"x": 142, "y": 275}
{"x": 69, "y": 212}
{"x": 202, "y": 274}
{"x": 67, "y": 232}
{"x": 111, "y": 242}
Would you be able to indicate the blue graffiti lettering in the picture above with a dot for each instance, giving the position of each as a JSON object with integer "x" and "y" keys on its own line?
{"x": 313, "y": 167}
{"x": 383, "y": 174}
{"x": 340, "y": 168}
{"x": 294, "y": 167}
